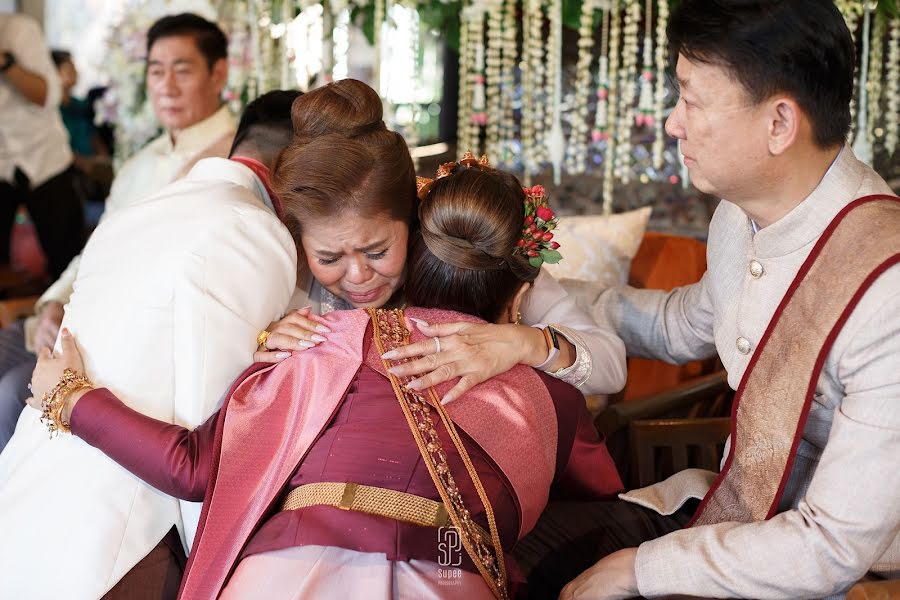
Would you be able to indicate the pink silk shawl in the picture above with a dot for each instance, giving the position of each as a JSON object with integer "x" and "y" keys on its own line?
{"x": 273, "y": 414}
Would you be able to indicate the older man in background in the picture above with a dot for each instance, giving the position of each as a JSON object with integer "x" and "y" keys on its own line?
{"x": 187, "y": 69}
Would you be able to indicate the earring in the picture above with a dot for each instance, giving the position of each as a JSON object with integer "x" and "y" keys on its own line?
{"x": 518, "y": 318}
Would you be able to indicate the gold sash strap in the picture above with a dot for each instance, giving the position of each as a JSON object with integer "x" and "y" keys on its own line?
{"x": 382, "y": 502}
{"x": 773, "y": 399}
{"x": 487, "y": 553}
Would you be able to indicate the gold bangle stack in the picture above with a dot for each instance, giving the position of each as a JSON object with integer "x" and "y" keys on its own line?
{"x": 53, "y": 402}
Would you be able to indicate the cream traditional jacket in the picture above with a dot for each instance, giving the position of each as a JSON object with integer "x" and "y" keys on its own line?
{"x": 169, "y": 298}
{"x": 840, "y": 514}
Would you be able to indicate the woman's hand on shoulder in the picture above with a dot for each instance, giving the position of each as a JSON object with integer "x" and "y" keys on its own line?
{"x": 474, "y": 352}
{"x": 50, "y": 367}
{"x": 297, "y": 331}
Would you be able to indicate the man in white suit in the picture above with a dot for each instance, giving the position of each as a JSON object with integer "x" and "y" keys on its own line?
{"x": 170, "y": 296}
{"x": 801, "y": 302}
{"x": 187, "y": 69}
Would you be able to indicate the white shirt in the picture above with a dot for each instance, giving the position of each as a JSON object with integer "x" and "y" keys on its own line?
{"x": 145, "y": 173}
{"x": 32, "y": 137}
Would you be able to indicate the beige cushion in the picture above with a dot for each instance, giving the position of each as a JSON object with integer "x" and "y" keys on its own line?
{"x": 599, "y": 248}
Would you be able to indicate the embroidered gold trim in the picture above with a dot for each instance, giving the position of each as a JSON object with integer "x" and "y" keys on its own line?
{"x": 390, "y": 332}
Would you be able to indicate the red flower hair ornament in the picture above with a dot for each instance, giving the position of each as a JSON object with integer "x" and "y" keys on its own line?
{"x": 536, "y": 242}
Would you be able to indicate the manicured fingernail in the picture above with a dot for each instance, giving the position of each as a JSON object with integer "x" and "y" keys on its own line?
{"x": 322, "y": 329}
{"x": 66, "y": 332}
{"x": 307, "y": 307}
{"x": 389, "y": 355}
{"x": 415, "y": 384}
{"x": 419, "y": 322}
{"x": 305, "y": 344}
{"x": 446, "y": 399}
{"x": 282, "y": 355}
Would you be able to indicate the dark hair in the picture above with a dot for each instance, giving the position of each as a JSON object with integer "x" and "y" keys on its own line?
{"x": 462, "y": 257}
{"x": 343, "y": 158}
{"x": 60, "y": 57}
{"x": 799, "y": 47}
{"x": 210, "y": 40}
{"x": 265, "y": 126}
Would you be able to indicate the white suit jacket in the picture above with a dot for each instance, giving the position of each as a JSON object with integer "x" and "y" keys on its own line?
{"x": 169, "y": 298}
{"x": 840, "y": 513}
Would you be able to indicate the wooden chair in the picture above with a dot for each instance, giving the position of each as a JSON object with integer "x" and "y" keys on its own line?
{"x": 16, "y": 308}
{"x": 875, "y": 590}
{"x": 662, "y": 447}
{"x": 685, "y": 426}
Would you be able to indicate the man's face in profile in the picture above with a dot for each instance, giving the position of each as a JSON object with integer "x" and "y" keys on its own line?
{"x": 183, "y": 89}
{"x": 722, "y": 134}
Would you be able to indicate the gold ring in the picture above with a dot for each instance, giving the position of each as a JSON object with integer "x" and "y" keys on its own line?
{"x": 261, "y": 339}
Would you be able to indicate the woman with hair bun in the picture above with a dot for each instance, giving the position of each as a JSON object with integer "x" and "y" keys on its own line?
{"x": 328, "y": 475}
{"x": 349, "y": 193}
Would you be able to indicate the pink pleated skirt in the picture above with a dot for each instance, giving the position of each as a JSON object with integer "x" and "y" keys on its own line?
{"x": 329, "y": 573}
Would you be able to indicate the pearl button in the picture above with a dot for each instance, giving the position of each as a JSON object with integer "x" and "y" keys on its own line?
{"x": 756, "y": 269}
{"x": 743, "y": 345}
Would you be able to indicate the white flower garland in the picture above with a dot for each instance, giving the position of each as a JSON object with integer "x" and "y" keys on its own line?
{"x": 659, "y": 96}
{"x": 377, "y": 26}
{"x": 554, "y": 143}
{"x": 464, "y": 100}
{"x": 494, "y": 77}
{"x": 612, "y": 113}
{"x": 533, "y": 97}
{"x": 645, "y": 114}
{"x": 876, "y": 74}
{"x": 627, "y": 81}
{"x": 892, "y": 90}
{"x": 862, "y": 146}
{"x": 508, "y": 82}
{"x": 576, "y": 159}
{"x": 479, "y": 116}
{"x": 601, "y": 122}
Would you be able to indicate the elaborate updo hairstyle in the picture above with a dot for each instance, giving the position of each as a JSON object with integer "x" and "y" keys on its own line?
{"x": 343, "y": 158}
{"x": 463, "y": 254}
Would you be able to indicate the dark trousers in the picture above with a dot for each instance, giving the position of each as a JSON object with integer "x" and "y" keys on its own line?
{"x": 57, "y": 213}
{"x": 157, "y": 576}
{"x": 571, "y": 537}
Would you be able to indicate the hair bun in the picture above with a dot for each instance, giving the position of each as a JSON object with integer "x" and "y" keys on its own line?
{"x": 347, "y": 107}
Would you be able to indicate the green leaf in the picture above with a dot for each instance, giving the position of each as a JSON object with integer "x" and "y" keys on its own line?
{"x": 536, "y": 261}
{"x": 551, "y": 256}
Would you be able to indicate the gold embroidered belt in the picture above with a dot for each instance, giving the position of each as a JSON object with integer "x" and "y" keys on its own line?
{"x": 382, "y": 502}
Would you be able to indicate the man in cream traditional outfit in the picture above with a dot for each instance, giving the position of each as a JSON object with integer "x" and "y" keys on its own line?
{"x": 809, "y": 498}
{"x": 170, "y": 295}
{"x": 187, "y": 70}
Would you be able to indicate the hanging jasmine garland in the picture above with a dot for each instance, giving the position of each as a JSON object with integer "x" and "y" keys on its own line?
{"x": 378, "y": 26}
{"x": 577, "y": 148}
{"x": 876, "y": 74}
{"x": 659, "y": 96}
{"x": 493, "y": 73}
{"x": 479, "y": 116}
{"x": 464, "y": 101}
{"x": 555, "y": 142}
{"x": 534, "y": 96}
{"x": 609, "y": 161}
{"x": 601, "y": 129}
{"x": 508, "y": 80}
{"x": 645, "y": 114}
{"x": 892, "y": 90}
{"x": 628, "y": 84}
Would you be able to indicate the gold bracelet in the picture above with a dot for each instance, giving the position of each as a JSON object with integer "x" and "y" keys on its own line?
{"x": 53, "y": 402}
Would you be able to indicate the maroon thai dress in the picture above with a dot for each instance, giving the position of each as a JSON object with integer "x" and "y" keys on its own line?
{"x": 367, "y": 440}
